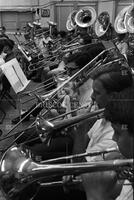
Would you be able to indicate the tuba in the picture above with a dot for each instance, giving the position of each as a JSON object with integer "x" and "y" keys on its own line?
{"x": 102, "y": 24}
{"x": 129, "y": 19}
{"x": 85, "y": 17}
{"x": 71, "y": 24}
{"x": 121, "y": 21}
{"x": 18, "y": 171}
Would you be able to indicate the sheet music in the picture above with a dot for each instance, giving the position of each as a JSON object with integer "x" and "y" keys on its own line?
{"x": 15, "y": 75}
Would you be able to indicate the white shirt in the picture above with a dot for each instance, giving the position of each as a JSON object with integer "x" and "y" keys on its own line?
{"x": 126, "y": 192}
{"x": 100, "y": 138}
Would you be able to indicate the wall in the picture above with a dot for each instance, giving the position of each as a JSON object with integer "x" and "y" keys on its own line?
{"x": 17, "y": 3}
{"x": 121, "y": 4}
{"x": 46, "y": 5}
{"x": 107, "y": 6}
{"x": 59, "y": 9}
{"x": 62, "y": 11}
{"x": 14, "y": 13}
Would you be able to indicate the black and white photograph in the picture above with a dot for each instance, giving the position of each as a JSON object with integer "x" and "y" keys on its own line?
{"x": 66, "y": 99}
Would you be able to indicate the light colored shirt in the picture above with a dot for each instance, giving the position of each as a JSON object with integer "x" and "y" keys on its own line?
{"x": 100, "y": 138}
{"x": 126, "y": 192}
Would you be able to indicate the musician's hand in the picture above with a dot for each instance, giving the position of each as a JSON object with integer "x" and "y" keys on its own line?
{"x": 66, "y": 181}
{"x": 70, "y": 182}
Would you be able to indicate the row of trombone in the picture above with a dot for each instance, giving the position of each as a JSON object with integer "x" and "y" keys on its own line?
{"x": 18, "y": 170}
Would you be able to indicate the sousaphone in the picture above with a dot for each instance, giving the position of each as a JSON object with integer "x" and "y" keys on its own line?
{"x": 102, "y": 24}
{"x": 85, "y": 17}
{"x": 129, "y": 19}
{"x": 71, "y": 23}
{"x": 119, "y": 24}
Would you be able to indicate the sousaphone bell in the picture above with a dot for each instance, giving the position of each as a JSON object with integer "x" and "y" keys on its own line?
{"x": 71, "y": 23}
{"x": 85, "y": 17}
{"x": 102, "y": 24}
{"x": 119, "y": 24}
{"x": 129, "y": 19}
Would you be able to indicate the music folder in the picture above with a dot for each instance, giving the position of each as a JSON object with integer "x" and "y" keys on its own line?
{"x": 15, "y": 75}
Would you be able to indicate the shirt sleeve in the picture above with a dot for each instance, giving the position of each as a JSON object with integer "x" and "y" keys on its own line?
{"x": 105, "y": 142}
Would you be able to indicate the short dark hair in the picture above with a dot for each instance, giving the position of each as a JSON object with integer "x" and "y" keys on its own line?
{"x": 114, "y": 78}
{"x": 120, "y": 108}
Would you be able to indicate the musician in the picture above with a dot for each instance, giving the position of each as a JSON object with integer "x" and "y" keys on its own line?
{"x": 120, "y": 111}
{"x": 105, "y": 82}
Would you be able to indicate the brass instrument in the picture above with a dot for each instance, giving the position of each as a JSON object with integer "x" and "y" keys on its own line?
{"x": 70, "y": 23}
{"x": 81, "y": 155}
{"x": 25, "y": 53}
{"x": 129, "y": 19}
{"x": 42, "y": 63}
{"x": 87, "y": 70}
{"x": 102, "y": 24}
{"x": 62, "y": 47}
{"x": 75, "y": 46}
{"x": 43, "y": 33}
{"x": 119, "y": 25}
{"x": 48, "y": 128}
{"x": 18, "y": 171}
{"x": 85, "y": 17}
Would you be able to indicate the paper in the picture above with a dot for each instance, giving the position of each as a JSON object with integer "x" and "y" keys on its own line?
{"x": 15, "y": 75}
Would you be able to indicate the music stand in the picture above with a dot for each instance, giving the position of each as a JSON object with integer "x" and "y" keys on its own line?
{"x": 15, "y": 76}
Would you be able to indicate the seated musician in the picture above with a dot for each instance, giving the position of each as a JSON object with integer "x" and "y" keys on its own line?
{"x": 105, "y": 185}
{"x": 120, "y": 112}
{"x": 105, "y": 82}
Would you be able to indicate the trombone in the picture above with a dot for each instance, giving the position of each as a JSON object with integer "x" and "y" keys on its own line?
{"x": 52, "y": 94}
{"x": 18, "y": 171}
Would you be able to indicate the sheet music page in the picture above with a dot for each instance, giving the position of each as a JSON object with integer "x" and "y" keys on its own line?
{"x": 15, "y": 75}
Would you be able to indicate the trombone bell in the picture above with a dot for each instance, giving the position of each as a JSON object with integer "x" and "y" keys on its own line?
{"x": 18, "y": 171}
